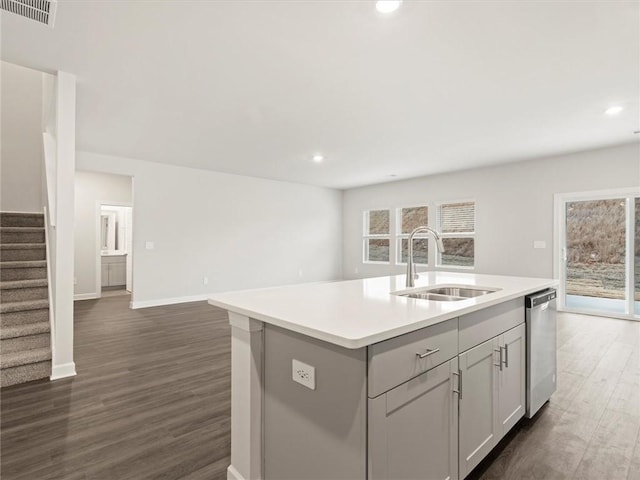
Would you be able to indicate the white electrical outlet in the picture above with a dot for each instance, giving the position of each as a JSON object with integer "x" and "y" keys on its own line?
{"x": 149, "y": 245}
{"x": 539, "y": 244}
{"x": 303, "y": 374}
{"x": 205, "y": 280}
{"x": 300, "y": 273}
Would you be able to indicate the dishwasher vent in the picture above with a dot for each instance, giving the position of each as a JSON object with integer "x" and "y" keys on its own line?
{"x": 42, "y": 11}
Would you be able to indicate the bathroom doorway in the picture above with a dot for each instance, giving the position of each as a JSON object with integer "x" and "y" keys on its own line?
{"x": 115, "y": 250}
{"x": 103, "y": 233}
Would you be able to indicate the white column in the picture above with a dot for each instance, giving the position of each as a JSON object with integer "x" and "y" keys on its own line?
{"x": 246, "y": 398}
{"x": 63, "y": 364}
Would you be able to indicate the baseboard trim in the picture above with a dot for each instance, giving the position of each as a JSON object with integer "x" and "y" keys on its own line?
{"x": 233, "y": 474}
{"x": 85, "y": 296}
{"x": 63, "y": 371}
{"x": 168, "y": 301}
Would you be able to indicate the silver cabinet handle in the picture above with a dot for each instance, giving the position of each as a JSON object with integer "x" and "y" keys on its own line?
{"x": 459, "y": 384}
{"x": 427, "y": 353}
{"x": 506, "y": 355}
{"x": 457, "y": 390}
{"x": 499, "y": 364}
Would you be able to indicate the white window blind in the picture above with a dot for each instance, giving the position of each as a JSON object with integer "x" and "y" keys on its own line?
{"x": 456, "y": 223}
{"x": 457, "y": 217}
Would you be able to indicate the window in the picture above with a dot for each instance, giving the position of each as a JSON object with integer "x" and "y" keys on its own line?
{"x": 408, "y": 219}
{"x": 376, "y": 236}
{"x": 456, "y": 222}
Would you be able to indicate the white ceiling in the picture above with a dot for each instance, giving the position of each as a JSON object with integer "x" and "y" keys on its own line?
{"x": 257, "y": 87}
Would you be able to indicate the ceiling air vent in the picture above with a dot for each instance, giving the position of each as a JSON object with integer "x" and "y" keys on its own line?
{"x": 42, "y": 11}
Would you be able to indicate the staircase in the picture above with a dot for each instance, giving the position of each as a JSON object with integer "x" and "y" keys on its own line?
{"x": 25, "y": 339}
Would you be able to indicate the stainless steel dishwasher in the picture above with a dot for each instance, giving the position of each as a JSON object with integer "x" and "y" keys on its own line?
{"x": 542, "y": 342}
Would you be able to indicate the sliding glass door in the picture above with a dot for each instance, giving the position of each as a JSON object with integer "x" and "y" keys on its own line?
{"x": 598, "y": 254}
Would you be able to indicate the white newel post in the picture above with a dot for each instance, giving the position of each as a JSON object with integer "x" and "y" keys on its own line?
{"x": 246, "y": 398}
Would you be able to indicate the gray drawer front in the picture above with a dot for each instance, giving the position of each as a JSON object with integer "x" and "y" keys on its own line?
{"x": 480, "y": 326}
{"x": 395, "y": 361}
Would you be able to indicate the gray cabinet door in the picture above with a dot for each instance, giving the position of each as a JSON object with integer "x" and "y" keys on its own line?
{"x": 511, "y": 399}
{"x": 117, "y": 274}
{"x": 478, "y": 403}
{"x": 413, "y": 428}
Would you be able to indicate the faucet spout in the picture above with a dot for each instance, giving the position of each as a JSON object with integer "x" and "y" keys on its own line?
{"x": 411, "y": 269}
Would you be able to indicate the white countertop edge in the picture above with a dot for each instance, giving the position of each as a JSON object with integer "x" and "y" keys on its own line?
{"x": 355, "y": 343}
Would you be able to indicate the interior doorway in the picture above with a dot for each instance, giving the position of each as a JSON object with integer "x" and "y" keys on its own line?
{"x": 597, "y": 252}
{"x": 103, "y": 236}
{"x": 115, "y": 250}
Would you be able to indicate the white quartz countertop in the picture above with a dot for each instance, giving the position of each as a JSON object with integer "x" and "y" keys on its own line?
{"x": 357, "y": 313}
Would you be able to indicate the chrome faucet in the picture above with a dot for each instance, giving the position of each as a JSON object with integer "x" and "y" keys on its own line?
{"x": 411, "y": 268}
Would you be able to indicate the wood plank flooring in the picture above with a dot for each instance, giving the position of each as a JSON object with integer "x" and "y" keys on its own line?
{"x": 152, "y": 400}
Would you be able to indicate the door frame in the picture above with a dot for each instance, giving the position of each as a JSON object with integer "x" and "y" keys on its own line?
{"x": 560, "y": 237}
{"x": 99, "y": 205}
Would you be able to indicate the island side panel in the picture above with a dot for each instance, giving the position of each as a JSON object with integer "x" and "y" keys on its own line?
{"x": 319, "y": 433}
{"x": 246, "y": 398}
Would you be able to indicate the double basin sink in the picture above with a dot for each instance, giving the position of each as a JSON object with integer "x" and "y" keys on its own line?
{"x": 447, "y": 293}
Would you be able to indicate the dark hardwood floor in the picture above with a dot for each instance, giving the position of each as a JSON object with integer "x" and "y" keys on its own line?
{"x": 152, "y": 400}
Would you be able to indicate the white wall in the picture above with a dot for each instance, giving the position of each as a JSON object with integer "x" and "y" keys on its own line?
{"x": 21, "y": 139}
{"x": 92, "y": 189}
{"x": 514, "y": 206}
{"x": 240, "y": 232}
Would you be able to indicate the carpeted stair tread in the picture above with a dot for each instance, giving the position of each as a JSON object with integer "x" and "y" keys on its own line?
{"x": 19, "y": 219}
{"x": 24, "y": 330}
{"x": 25, "y": 373}
{"x": 15, "y": 359}
{"x": 13, "y": 284}
{"x": 22, "y": 229}
{"x": 21, "y": 246}
{"x": 23, "y": 306}
{"x": 24, "y": 264}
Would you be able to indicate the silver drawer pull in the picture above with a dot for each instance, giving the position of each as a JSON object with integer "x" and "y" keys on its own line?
{"x": 427, "y": 353}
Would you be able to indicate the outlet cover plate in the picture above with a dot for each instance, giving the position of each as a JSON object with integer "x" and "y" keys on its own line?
{"x": 303, "y": 374}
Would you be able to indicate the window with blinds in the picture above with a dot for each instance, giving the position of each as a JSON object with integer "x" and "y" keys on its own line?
{"x": 457, "y": 224}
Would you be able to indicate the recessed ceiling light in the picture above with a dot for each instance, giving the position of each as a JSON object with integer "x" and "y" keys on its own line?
{"x": 613, "y": 110}
{"x": 318, "y": 158}
{"x": 388, "y": 6}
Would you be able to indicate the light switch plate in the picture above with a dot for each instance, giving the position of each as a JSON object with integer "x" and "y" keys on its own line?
{"x": 539, "y": 244}
{"x": 303, "y": 374}
{"x": 149, "y": 245}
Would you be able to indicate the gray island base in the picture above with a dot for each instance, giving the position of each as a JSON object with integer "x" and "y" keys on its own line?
{"x": 349, "y": 397}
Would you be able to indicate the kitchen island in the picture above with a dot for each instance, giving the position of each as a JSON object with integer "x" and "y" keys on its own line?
{"x": 354, "y": 379}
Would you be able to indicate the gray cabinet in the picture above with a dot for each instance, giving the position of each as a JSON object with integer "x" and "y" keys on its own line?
{"x": 114, "y": 270}
{"x": 413, "y": 428}
{"x": 512, "y": 379}
{"x": 478, "y": 404}
{"x": 492, "y": 396}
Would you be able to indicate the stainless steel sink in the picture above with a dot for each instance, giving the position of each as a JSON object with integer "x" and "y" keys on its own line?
{"x": 465, "y": 292}
{"x": 433, "y": 296}
{"x": 447, "y": 293}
